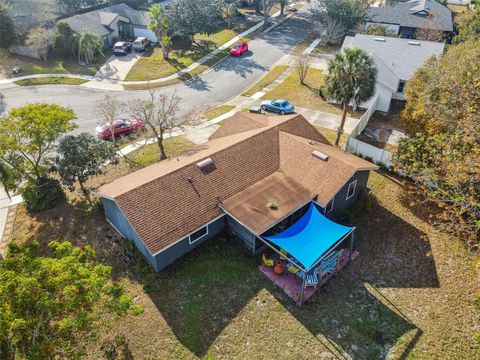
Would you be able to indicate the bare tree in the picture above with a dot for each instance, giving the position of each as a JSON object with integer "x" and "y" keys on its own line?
{"x": 301, "y": 65}
{"x": 267, "y": 6}
{"x": 334, "y": 31}
{"x": 431, "y": 29}
{"x": 109, "y": 108}
{"x": 160, "y": 114}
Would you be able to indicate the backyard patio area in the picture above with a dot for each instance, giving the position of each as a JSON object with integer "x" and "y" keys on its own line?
{"x": 304, "y": 255}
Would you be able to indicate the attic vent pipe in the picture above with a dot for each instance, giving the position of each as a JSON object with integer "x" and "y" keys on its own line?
{"x": 320, "y": 155}
{"x": 380, "y": 39}
{"x": 414, "y": 43}
{"x": 204, "y": 164}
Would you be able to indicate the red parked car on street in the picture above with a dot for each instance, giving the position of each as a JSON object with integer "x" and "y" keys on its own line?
{"x": 239, "y": 48}
{"x": 121, "y": 127}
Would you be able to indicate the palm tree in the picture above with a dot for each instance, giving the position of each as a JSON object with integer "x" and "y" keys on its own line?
{"x": 88, "y": 45}
{"x": 159, "y": 25}
{"x": 351, "y": 77}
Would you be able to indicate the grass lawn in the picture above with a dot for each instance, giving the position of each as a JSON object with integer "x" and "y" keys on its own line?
{"x": 270, "y": 77}
{"x": 52, "y": 66}
{"x": 306, "y": 96}
{"x": 152, "y": 65}
{"x": 323, "y": 48}
{"x": 51, "y": 80}
{"x": 410, "y": 294}
{"x": 217, "y": 111}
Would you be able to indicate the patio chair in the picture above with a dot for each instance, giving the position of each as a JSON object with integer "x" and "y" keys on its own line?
{"x": 267, "y": 262}
{"x": 284, "y": 254}
{"x": 311, "y": 279}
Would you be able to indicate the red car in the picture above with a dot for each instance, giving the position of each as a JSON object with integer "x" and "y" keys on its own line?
{"x": 239, "y": 48}
{"x": 121, "y": 127}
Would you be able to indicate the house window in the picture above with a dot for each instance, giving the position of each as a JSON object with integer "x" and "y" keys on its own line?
{"x": 329, "y": 206}
{"x": 197, "y": 235}
{"x": 401, "y": 86}
{"x": 351, "y": 189}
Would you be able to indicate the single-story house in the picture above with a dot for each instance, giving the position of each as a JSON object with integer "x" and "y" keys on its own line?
{"x": 113, "y": 22}
{"x": 250, "y": 163}
{"x": 404, "y": 18}
{"x": 396, "y": 60}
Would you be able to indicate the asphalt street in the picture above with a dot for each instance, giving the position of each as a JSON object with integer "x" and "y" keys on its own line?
{"x": 219, "y": 84}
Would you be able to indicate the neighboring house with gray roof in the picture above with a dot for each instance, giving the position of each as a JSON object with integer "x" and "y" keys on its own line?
{"x": 113, "y": 22}
{"x": 406, "y": 17}
{"x": 396, "y": 60}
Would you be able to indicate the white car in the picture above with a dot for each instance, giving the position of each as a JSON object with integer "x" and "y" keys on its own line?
{"x": 141, "y": 44}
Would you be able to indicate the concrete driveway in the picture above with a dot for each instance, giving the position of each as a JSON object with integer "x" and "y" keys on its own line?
{"x": 117, "y": 67}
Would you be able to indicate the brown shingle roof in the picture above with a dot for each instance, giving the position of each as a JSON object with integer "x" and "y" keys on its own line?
{"x": 168, "y": 200}
{"x": 250, "y": 205}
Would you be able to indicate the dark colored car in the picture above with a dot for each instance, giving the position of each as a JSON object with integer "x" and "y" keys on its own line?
{"x": 239, "y": 48}
{"x": 121, "y": 127}
{"x": 122, "y": 48}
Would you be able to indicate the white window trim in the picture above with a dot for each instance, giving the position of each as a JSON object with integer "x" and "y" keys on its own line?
{"x": 326, "y": 206}
{"x": 190, "y": 241}
{"x": 354, "y": 183}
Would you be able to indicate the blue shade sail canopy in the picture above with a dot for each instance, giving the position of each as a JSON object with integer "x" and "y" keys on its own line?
{"x": 310, "y": 237}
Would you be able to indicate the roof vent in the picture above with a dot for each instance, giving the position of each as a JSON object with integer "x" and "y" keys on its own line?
{"x": 320, "y": 155}
{"x": 380, "y": 39}
{"x": 206, "y": 166}
{"x": 416, "y": 43}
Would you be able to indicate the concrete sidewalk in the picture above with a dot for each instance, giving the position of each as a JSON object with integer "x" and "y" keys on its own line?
{"x": 5, "y": 205}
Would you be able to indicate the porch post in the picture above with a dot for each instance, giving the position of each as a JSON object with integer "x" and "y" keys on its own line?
{"x": 303, "y": 289}
{"x": 352, "y": 241}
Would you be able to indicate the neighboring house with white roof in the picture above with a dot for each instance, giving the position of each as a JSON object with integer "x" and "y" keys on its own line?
{"x": 113, "y": 22}
{"x": 404, "y": 18}
{"x": 396, "y": 60}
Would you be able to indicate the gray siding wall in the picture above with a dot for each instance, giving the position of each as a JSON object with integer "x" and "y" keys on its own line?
{"x": 242, "y": 232}
{"x": 116, "y": 217}
{"x": 169, "y": 255}
{"x": 341, "y": 201}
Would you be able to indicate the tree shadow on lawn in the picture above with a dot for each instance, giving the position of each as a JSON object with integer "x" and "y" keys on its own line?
{"x": 203, "y": 292}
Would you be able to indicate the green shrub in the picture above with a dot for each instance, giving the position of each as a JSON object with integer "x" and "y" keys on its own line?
{"x": 43, "y": 195}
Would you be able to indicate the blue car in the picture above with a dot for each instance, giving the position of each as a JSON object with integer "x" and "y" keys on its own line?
{"x": 281, "y": 106}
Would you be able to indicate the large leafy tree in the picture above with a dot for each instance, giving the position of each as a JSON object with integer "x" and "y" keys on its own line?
{"x": 159, "y": 25}
{"x": 28, "y": 137}
{"x": 351, "y": 78}
{"x": 81, "y": 157}
{"x": 347, "y": 12}
{"x": 7, "y": 27}
{"x": 470, "y": 29}
{"x": 89, "y": 45}
{"x": 442, "y": 152}
{"x": 190, "y": 17}
{"x": 49, "y": 303}
{"x": 64, "y": 40}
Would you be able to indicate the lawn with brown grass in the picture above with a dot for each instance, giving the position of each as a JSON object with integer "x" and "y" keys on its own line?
{"x": 216, "y": 111}
{"x": 409, "y": 295}
{"x": 51, "y": 66}
{"x": 306, "y": 96}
